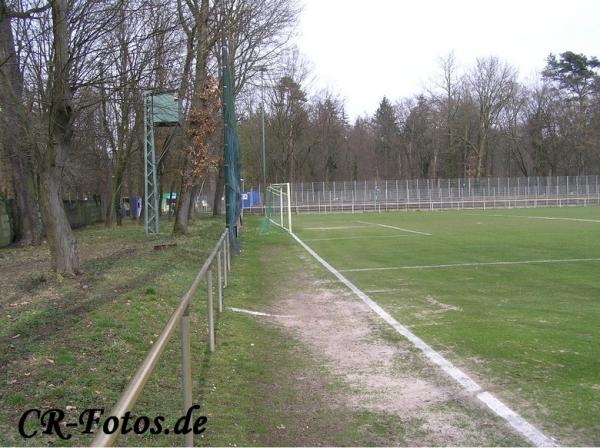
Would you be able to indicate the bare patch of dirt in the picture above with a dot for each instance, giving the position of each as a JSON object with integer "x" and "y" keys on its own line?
{"x": 384, "y": 377}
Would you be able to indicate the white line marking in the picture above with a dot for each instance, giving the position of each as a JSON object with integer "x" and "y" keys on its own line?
{"x": 458, "y": 265}
{"x": 254, "y": 313}
{"x": 516, "y": 421}
{"x": 536, "y": 217}
{"x": 357, "y": 237}
{"x": 379, "y": 291}
{"x": 334, "y": 228}
{"x": 534, "y": 435}
{"x": 395, "y": 228}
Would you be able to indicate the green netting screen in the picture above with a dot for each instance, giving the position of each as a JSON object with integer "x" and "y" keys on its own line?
{"x": 231, "y": 157}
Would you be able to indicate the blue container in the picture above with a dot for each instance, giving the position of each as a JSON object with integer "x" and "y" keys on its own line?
{"x": 136, "y": 206}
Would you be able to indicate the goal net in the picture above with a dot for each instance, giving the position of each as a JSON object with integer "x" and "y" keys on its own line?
{"x": 278, "y": 209}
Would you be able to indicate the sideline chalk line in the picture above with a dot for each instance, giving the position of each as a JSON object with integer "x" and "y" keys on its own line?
{"x": 334, "y": 228}
{"x": 536, "y": 217}
{"x": 522, "y": 426}
{"x": 458, "y": 265}
{"x": 357, "y": 237}
{"x": 394, "y": 227}
{"x": 254, "y": 313}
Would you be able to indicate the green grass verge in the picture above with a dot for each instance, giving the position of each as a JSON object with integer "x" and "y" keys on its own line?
{"x": 74, "y": 344}
{"x": 266, "y": 388}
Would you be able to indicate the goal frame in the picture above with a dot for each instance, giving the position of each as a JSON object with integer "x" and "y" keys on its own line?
{"x": 280, "y": 196}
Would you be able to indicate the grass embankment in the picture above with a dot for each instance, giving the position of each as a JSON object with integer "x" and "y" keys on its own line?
{"x": 76, "y": 341}
{"x": 528, "y": 331}
{"x": 74, "y": 344}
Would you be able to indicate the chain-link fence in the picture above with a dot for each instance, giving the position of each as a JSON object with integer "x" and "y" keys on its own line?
{"x": 430, "y": 194}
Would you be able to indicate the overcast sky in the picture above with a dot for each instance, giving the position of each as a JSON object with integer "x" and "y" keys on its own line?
{"x": 362, "y": 50}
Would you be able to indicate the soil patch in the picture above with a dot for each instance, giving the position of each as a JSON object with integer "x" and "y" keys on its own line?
{"x": 387, "y": 377}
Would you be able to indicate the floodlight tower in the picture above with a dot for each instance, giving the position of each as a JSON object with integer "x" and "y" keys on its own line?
{"x": 159, "y": 110}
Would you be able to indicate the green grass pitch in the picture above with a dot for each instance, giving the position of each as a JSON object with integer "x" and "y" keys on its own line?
{"x": 511, "y": 296}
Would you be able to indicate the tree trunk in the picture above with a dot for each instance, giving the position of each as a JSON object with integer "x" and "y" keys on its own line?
{"x": 183, "y": 204}
{"x": 115, "y": 212}
{"x": 182, "y": 211}
{"x": 61, "y": 240}
{"x": 29, "y": 227}
{"x": 195, "y": 192}
{"x": 481, "y": 152}
{"x": 200, "y": 74}
{"x": 14, "y": 136}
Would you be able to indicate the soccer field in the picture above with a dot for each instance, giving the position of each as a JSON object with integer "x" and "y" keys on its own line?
{"x": 512, "y": 297}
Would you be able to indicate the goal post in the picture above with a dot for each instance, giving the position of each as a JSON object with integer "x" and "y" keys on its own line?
{"x": 278, "y": 205}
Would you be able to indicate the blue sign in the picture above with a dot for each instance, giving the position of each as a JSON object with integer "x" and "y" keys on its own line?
{"x": 250, "y": 198}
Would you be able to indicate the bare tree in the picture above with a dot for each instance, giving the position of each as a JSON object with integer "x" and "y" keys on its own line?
{"x": 13, "y": 129}
{"x": 493, "y": 83}
{"x": 447, "y": 98}
{"x": 64, "y": 50}
{"x": 50, "y": 159}
{"x": 258, "y": 34}
{"x": 200, "y": 41}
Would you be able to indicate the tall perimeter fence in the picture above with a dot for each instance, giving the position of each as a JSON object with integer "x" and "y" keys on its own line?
{"x": 437, "y": 194}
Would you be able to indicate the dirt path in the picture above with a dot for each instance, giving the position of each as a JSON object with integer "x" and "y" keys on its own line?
{"x": 382, "y": 372}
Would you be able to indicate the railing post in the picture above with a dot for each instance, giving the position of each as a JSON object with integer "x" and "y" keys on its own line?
{"x": 209, "y": 311}
{"x": 186, "y": 369}
{"x": 219, "y": 282}
{"x": 224, "y": 263}
{"x": 228, "y": 253}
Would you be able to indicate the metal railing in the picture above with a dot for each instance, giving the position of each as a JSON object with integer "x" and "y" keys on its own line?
{"x": 221, "y": 257}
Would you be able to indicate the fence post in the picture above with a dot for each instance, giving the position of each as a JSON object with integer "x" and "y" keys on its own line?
{"x": 228, "y": 252}
{"x": 209, "y": 311}
{"x": 430, "y": 187}
{"x": 386, "y": 195}
{"x": 587, "y": 185}
{"x": 289, "y": 204}
{"x": 484, "y": 202}
{"x": 219, "y": 282}
{"x": 225, "y": 263}
{"x": 186, "y": 369}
